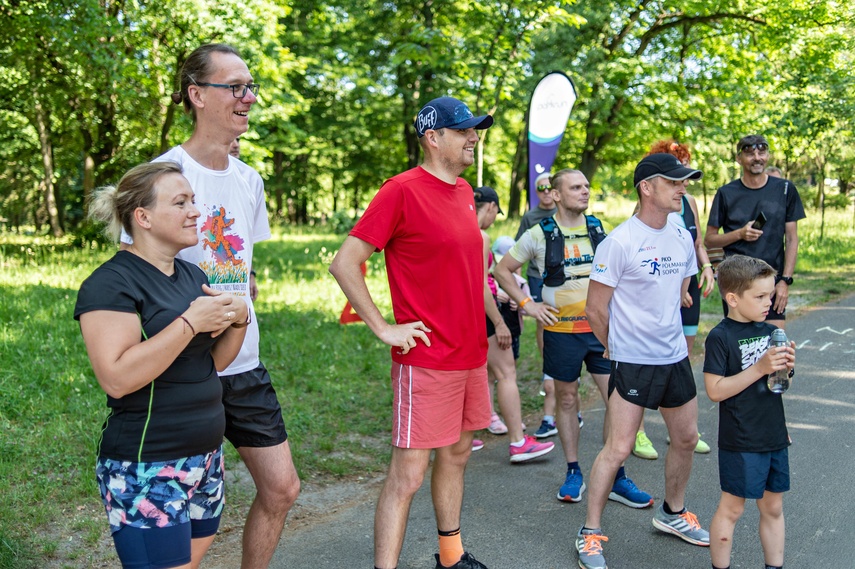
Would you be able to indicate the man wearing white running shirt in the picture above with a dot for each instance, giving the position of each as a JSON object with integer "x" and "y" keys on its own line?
{"x": 641, "y": 272}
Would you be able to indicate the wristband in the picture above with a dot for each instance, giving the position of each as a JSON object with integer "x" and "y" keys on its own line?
{"x": 522, "y": 303}
{"x": 705, "y": 265}
{"x": 188, "y": 323}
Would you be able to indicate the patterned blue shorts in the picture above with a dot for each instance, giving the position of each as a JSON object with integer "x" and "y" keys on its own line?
{"x": 161, "y": 494}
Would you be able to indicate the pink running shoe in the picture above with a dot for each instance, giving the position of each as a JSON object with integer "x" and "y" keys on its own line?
{"x": 497, "y": 426}
{"x": 530, "y": 449}
{"x": 477, "y": 444}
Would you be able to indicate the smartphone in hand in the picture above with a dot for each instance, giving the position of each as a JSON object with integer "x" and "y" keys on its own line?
{"x": 759, "y": 221}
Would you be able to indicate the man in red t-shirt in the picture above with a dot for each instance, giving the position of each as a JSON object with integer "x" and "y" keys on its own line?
{"x": 425, "y": 220}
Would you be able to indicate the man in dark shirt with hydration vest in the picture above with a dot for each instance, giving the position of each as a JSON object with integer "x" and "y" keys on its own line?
{"x": 759, "y": 216}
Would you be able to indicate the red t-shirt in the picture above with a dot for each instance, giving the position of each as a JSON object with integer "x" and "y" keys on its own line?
{"x": 435, "y": 265}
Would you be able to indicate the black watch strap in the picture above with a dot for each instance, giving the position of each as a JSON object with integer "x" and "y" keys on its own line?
{"x": 787, "y": 280}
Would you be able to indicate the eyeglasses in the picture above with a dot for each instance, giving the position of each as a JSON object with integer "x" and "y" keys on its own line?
{"x": 543, "y": 188}
{"x": 750, "y": 148}
{"x": 238, "y": 91}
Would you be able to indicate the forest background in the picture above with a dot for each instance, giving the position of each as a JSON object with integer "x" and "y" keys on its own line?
{"x": 84, "y": 95}
{"x": 85, "y": 86}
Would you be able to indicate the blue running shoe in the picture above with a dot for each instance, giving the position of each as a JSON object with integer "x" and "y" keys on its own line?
{"x": 573, "y": 487}
{"x": 546, "y": 429}
{"x": 627, "y": 493}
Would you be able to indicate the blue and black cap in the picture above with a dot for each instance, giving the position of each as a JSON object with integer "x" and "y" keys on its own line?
{"x": 448, "y": 112}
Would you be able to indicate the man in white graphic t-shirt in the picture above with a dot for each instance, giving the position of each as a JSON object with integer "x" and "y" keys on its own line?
{"x": 218, "y": 92}
{"x": 641, "y": 271}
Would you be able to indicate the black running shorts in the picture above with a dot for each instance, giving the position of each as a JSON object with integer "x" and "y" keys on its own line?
{"x": 654, "y": 386}
{"x": 253, "y": 413}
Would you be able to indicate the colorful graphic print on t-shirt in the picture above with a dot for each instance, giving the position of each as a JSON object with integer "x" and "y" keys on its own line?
{"x": 225, "y": 265}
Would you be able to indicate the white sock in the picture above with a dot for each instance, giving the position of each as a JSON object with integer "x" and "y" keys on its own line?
{"x": 519, "y": 443}
{"x": 549, "y": 419}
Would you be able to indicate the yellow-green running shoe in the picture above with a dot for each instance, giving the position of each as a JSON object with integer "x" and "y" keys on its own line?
{"x": 700, "y": 448}
{"x": 643, "y": 447}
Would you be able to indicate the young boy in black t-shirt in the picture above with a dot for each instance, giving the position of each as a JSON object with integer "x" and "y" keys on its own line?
{"x": 752, "y": 439}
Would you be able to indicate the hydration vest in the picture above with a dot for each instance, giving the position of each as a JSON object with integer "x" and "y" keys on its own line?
{"x": 554, "y": 261}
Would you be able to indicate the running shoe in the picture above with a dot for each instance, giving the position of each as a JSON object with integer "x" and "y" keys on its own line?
{"x": 497, "y": 426}
{"x": 590, "y": 549}
{"x": 530, "y": 449}
{"x": 684, "y": 525}
{"x": 546, "y": 429}
{"x": 573, "y": 487}
{"x": 627, "y": 493}
{"x": 477, "y": 444}
{"x": 643, "y": 447}
{"x": 581, "y": 421}
{"x": 700, "y": 448}
{"x": 466, "y": 562}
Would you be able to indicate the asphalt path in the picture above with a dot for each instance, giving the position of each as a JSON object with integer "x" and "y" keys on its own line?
{"x": 512, "y": 519}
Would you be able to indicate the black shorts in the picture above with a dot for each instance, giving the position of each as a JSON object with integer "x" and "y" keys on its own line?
{"x": 692, "y": 315}
{"x": 253, "y": 413}
{"x": 564, "y": 353}
{"x": 654, "y": 386}
{"x": 750, "y": 474}
{"x": 515, "y": 340}
{"x": 535, "y": 286}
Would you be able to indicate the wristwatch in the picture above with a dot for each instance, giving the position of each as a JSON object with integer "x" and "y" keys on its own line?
{"x": 787, "y": 280}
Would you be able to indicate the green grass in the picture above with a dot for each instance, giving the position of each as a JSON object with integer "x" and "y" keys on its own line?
{"x": 332, "y": 380}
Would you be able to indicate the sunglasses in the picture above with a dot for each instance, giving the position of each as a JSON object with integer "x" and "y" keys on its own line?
{"x": 750, "y": 148}
{"x": 543, "y": 188}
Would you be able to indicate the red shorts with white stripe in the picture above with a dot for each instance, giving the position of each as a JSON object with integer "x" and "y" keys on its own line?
{"x": 432, "y": 407}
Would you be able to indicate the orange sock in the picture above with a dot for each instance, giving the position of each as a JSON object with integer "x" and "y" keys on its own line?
{"x": 450, "y": 547}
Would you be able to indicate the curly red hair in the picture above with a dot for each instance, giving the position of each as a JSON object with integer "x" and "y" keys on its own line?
{"x": 681, "y": 151}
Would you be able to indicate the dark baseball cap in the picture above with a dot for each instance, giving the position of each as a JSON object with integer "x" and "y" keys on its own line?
{"x": 448, "y": 112}
{"x": 665, "y": 165}
{"x": 486, "y": 194}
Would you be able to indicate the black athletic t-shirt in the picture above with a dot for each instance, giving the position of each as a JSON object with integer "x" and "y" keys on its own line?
{"x": 184, "y": 415}
{"x": 752, "y": 420}
{"x": 735, "y": 204}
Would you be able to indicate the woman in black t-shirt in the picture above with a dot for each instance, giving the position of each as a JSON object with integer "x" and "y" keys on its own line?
{"x": 156, "y": 336}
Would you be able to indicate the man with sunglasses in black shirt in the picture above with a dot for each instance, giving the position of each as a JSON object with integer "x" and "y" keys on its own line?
{"x": 758, "y": 215}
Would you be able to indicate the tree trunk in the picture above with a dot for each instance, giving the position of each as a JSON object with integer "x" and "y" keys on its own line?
{"x": 589, "y": 163}
{"x": 168, "y": 119}
{"x": 43, "y": 128}
{"x": 88, "y": 182}
{"x": 519, "y": 176}
{"x": 169, "y": 115}
{"x": 279, "y": 183}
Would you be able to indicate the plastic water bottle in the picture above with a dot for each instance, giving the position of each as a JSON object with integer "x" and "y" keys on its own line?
{"x": 778, "y": 381}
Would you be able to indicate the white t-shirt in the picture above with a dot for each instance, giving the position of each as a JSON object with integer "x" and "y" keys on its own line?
{"x": 234, "y": 218}
{"x": 646, "y": 268}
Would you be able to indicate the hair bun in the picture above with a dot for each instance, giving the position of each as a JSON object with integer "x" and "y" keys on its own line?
{"x": 176, "y": 97}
